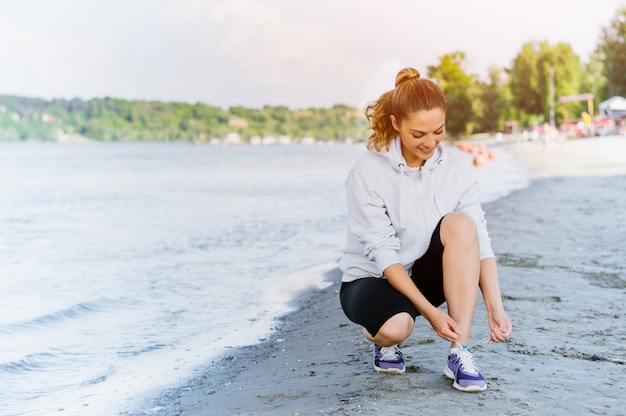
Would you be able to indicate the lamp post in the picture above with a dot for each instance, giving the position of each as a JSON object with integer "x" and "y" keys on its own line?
{"x": 551, "y": 72}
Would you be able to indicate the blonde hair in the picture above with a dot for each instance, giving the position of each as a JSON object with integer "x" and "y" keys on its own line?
{"x": 411, "y": 94}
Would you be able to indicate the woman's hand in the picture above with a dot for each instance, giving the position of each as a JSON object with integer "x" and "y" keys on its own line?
{"x": 444, "y": 325}
{"x": 500, "y": 326}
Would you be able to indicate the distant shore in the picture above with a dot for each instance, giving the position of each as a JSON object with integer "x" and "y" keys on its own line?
{"x": 559, "y": 245}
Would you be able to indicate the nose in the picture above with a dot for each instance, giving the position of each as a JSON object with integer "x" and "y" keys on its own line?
{"x": 430, "y": 141}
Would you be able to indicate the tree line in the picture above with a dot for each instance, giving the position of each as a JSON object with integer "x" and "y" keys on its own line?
{"x": 539, "y": 74}
{"x": 109, "y": 119}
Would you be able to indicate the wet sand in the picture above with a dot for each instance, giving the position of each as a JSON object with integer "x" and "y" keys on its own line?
{"x": 560, "y": 245}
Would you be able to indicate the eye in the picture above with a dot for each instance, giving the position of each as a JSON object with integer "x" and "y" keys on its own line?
{"x": 418, "y": 137}
{"x": 439, "y": 131}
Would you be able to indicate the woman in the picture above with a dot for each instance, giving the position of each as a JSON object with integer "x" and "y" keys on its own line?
{"x": 417, "y": 235}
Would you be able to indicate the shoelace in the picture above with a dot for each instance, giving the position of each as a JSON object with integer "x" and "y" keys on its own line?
{"x": 390, "y": 353}
{"x": 478, "y": 343}
{"x": 466, "y": 359}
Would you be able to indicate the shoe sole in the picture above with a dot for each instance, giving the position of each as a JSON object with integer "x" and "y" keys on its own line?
{"x": 388, "y": 370}
{"x": 470, "y": 389}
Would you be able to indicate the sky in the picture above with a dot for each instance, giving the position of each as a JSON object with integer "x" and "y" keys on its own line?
{"x": 251, "y": 53}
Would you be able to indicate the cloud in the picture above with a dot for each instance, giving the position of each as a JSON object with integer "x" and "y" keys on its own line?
{"x": 273, "y": 52}
{"x": 36, "y": 65}
{"x": 276, "y": 52}
{"x": 271, "y": 49}
{"x": 23, "y": 49}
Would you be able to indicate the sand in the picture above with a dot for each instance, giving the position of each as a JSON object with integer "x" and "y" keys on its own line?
{"x": 560, "y": 245}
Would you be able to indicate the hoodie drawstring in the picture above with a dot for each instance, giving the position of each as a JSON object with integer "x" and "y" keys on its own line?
{"x": 402, "y": 204}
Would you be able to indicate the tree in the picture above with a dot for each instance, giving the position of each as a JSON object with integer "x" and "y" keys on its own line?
{"x": 568, "y": 73}
{"x": 529, "y": 79}
{"x": 109, "y": 119}
{"x": 594, "y": 78}
{"x": 612, "y": 49}
{"x": 456, "y": 84}
{"x": 491, "y": 104}
{"x": 524, "y": 80}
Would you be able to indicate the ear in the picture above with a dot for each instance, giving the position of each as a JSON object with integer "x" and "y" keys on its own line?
{"x": 394, "y": 123}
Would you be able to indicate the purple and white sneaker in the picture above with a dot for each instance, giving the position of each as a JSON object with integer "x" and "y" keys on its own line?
{"x": 388, "y": 359}
{"x": 463, "y": 370}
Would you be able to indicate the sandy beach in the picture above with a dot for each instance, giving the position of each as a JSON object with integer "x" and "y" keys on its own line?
{"x": 560, "y": 246}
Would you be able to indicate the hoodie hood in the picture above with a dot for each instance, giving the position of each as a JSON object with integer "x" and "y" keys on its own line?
{"x": 394, "y": 155}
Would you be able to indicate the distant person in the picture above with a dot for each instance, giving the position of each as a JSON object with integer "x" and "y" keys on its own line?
{"x": 417, "y": 235}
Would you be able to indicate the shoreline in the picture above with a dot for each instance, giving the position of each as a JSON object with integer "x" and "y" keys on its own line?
{"x": 559, "y": 246}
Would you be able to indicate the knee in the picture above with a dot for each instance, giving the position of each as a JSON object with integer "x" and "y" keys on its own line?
{"x": 458, "y": 227}
{"x": 397, "y": 328}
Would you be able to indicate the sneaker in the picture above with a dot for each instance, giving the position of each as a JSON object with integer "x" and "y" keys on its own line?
{"x": 463, "y": 370}
{"x": 388, "y": 359}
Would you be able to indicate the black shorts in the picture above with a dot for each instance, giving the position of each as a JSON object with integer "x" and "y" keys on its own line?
{"x": 371, "y": 301}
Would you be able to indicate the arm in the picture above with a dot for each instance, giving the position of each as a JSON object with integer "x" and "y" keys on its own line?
{"x": 499, "y": 323}
{"x": 441, "y": 322}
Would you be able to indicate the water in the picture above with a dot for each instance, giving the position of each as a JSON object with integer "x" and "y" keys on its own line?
{"x": 124, "y": 267}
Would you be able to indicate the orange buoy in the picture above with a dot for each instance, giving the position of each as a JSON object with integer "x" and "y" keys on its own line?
{"x": 480, "y": 160}
{"x": 493, "y": 154}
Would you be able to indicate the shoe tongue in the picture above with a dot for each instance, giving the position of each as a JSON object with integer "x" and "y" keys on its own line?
{"x": 389, "y": 354}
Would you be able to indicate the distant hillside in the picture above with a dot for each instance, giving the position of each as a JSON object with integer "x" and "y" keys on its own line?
{"x": 110, "y": 119}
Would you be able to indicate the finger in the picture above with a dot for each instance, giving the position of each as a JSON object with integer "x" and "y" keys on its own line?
{"x": 496, "y": 335}
{"x": 449, "y": 335}
{"x": 504, "y": 332}
{"x": 497, "y": 338}
{"x": 454, "y": 327}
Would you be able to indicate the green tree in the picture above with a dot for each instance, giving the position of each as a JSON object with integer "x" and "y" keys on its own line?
{"x": 456, "y": 84}
{"x": 529, "y": 79}
{"x": 594, "y": 78}
{"x": 491, "y": 104}
{"x": 568, "y": 73}
{"x": 109, "y": 119}
{"x": 524, "y": 80}
{"x": 612, "y": 48}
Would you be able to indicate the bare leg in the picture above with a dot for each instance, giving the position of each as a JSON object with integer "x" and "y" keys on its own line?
{"x": 461, "y": 270}
{"x": 397, "y": 328}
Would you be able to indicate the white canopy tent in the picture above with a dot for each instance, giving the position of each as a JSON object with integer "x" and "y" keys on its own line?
{"x": 614, "y": 106}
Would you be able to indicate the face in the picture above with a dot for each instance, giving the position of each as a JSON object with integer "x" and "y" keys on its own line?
{"x": 420, "y": 133}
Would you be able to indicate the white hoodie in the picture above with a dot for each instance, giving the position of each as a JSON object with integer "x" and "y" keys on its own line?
{"x": 393, "y": 209}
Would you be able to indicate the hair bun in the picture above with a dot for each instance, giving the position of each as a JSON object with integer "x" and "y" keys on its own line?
{"x": 406, "y": 74}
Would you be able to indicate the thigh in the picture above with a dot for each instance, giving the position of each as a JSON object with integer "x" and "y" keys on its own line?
{"x": 427, "y": 272}
{"x": 370, "y": 302}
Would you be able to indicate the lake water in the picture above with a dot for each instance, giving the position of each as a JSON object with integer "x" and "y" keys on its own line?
{"x": 124, "y": 267}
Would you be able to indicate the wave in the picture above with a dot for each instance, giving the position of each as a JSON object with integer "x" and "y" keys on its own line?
{"x": 32, "y": 362}
{"x": 76, "y": 311}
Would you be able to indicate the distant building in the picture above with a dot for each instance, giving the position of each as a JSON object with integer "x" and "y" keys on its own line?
{"x": 238, "y": 122}
{"x": 232, "y": 138}
{"x": 269, "y": 140}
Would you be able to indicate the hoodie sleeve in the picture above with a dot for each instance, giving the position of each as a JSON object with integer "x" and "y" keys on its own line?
{"x": 369, "y": 222}
{"x": 470, "y": 204}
